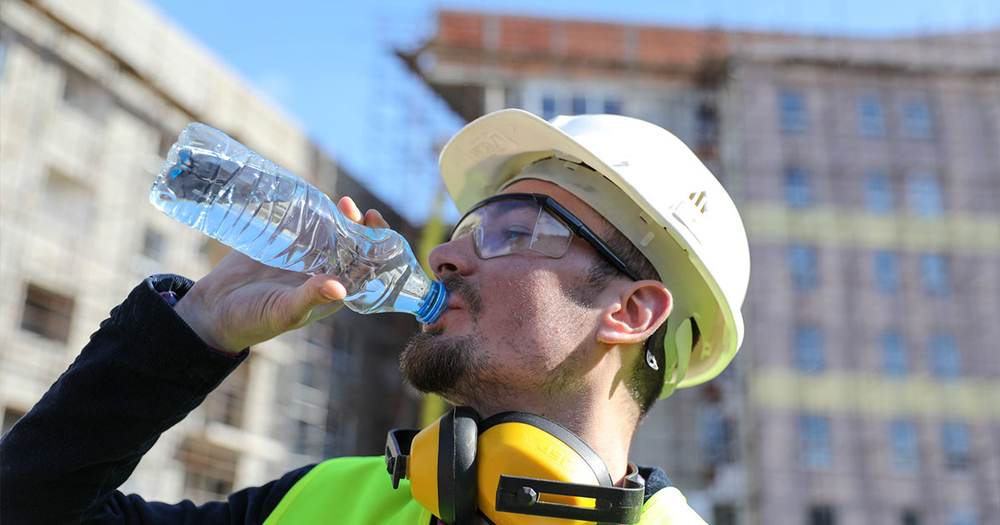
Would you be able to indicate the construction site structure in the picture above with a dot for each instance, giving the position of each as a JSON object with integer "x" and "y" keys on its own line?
{"x": 92, "y": 95}
{"x": 867, "y": 172}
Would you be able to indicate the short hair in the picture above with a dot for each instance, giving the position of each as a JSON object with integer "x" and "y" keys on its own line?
{"x": 643, "y": 382}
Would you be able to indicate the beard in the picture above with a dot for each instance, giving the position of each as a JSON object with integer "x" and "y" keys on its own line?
{"x": 435, "y": 363}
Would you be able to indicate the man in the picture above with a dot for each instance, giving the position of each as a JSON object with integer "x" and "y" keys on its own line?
{"x": 598, "y": 266}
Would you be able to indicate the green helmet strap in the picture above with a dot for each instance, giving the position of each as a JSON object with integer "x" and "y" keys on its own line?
{"x": 678, "y": 356}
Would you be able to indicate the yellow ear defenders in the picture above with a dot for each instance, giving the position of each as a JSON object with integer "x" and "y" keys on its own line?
{"x": 513, "y": 468}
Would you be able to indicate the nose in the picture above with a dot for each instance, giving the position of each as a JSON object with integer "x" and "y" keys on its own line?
{"x": 457, "y": 256}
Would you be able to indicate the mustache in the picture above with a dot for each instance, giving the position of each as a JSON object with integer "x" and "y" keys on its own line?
{"x": 466, "y": 289}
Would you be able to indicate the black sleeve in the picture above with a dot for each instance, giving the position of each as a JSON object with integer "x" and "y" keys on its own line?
{"x": 141, "y": 373}
{"x": 248, "y": 506}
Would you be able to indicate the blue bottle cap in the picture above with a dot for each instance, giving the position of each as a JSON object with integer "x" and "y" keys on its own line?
{"x": 434, "y": 305}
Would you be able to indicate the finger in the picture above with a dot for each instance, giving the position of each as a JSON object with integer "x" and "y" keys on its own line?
{"x": 322, "y": 311}
{"x": 347, "y": 206}
{"x": 329, "y": 288}
{"x": 319, "y": 290}
{"x": 374, "y": 219}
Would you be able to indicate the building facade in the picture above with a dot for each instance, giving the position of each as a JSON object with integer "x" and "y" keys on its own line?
{"x": 867, "y": 172}
{"x": 92, "y": 95}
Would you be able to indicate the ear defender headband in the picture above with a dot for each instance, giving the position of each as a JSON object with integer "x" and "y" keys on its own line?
{"x": 513, "y": 468}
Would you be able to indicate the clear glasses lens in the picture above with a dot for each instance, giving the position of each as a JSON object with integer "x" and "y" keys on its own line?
{"x": 551, "y": 236}
{"x": 514, "y": 226}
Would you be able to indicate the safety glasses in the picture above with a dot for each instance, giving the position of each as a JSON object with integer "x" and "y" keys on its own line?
{"x": 529, "y": 222}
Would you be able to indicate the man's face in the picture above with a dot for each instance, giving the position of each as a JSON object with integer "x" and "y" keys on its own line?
{"x": 516, "y": 326}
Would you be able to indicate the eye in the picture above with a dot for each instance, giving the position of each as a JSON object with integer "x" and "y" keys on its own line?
{"x": 464, "y": 229}
{"x": 515, "y": 232}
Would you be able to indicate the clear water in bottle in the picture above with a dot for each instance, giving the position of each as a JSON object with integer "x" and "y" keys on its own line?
{"x": 220, "y": 187}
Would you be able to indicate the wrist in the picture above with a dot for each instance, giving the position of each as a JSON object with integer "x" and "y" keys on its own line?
{"x": 194, "y": 316}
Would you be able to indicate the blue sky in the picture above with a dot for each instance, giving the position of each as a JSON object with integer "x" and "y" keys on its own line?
{"x": 327, "y": 64}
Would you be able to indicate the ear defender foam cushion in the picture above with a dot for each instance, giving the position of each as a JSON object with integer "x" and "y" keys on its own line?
{"x": 457, "y": 444}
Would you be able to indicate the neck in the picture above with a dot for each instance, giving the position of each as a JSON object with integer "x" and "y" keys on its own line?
{"x": 604, "y": 422}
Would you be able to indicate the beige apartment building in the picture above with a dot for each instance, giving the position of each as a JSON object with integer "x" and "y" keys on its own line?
{"x": 867, "y": 171}
{"x": 92, "y": 94}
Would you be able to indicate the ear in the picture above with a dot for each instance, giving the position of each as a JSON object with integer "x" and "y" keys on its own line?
{"x": 642, "y": 307}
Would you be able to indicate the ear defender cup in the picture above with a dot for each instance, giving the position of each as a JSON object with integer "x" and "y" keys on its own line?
{"x": 534, "y": 471}
{"x": 442, "y": 466}
{"x": 516, "y": 468}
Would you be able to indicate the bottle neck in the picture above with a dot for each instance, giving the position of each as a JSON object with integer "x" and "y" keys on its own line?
{"x": 434, "y": 305}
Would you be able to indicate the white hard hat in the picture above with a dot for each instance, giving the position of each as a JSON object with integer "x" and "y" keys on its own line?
{"x": 654, "y": 190}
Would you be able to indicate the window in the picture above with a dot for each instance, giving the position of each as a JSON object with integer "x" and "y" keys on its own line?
{"x": 47, "y": 313}
{"x": 910, "y": 517}
{"x": 303, "y": 437}
{"x": 210, "y": 470}
{"x": 723, "y": 514}
{"x": 802, "y": 260}
{"x": 962, "y": 517}
{"x": 579, "y": 105}
{"x": 815, "y": 447}
{"x": 923, "y": 195}
{"x": 719, "y": 437}
{"x": 895, "y": 361}
{"x": 309, "y": 374}
{"x": 878, "y": 192}
{"x": 886, "y": 271}
{"x": 706, "y": 123}
{"x": 943, "y": 356}
{"x": 798, "y": 188}
{"x": 808, "y": 349}
{"x": 905, "y": 453}
{"x": 548, "y": 106}
{"x": 3, "y": 57}
{"x": 69, "y": 202}
{"x": 957, "y": 446}
{"x": 822, "y": 515}
{"x": 934, "y": 270}
{"x": 512, "y": 98}
{"x": 871, "y": 116}
{"x": 916, "y": 119}
{"x": 225, "y": 403}
{"x": 792, "y": 107}
{"x": 84, "y": 95}
{"x": 612, "y": 106}
{"x": 152, "y": 244}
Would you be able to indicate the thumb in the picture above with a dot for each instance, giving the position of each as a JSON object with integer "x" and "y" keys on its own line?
{"x": 317, "y": 291}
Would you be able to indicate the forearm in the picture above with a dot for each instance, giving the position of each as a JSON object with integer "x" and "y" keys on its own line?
{"x": 141, "y": 373}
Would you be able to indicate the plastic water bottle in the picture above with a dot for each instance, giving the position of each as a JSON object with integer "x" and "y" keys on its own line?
{"x": 222, "y": 188}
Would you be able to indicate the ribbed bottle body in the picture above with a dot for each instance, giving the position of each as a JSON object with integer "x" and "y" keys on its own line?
{"x": 223, "y": 189}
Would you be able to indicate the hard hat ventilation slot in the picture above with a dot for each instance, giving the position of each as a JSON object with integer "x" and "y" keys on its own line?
{"x": 700, "y": 200}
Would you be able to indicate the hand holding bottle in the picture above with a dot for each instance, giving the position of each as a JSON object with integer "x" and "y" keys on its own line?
{"x": 229, "y": 192}
{"x": 242, "y": 302}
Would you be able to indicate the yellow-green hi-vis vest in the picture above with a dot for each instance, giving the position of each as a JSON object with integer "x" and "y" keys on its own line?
{"x": 357, "y": 491}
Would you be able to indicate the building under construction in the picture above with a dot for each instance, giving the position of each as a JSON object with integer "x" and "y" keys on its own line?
{"x": 92, "y": 95}
{"x": 867, "y": 172}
